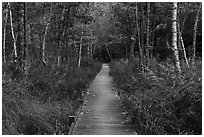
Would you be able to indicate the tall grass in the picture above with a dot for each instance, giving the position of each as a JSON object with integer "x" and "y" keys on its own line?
{"x": 41, "y": 101}
{"x": 160, "y": 101}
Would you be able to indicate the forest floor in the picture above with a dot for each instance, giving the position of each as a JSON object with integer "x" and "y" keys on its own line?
{"x": 102, "y": 112}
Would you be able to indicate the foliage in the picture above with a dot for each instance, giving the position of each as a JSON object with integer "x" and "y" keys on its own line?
{"x": 41, "y": 102}
{"x": 160, "y": 101}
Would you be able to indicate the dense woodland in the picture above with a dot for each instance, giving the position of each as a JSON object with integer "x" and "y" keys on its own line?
{"x": 51, "y": 51}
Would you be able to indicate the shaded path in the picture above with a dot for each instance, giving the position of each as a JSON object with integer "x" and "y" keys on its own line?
{"x": 102, "y": 113}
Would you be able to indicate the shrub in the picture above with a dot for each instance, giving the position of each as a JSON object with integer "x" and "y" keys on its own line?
{"x": 159, "y": 101}
{"x": 37, "y": 103}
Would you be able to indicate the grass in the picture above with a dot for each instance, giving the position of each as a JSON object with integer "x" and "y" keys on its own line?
{"x": 159, "y": 101}
{"x": 41, "y": 101}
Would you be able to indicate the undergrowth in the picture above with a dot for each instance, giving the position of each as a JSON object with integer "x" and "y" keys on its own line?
{"x": 41, "y": 101}
{"x": 160, "y": 101}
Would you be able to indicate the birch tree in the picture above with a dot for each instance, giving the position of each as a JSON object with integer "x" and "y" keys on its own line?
{"x": 45, "y": 35}
{"x": 25, "y": 30}
{"x": 148, "y": 33}
{"x": 80, "y": 47}
{"x": 174, "y": 37}
{"x": 4, "y": 35}
{"x": 195, "y": 33}
{"x": 13, "y": 35}
{"x": 182, "y": 45}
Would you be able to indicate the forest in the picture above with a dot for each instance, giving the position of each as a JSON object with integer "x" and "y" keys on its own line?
{"x": 51, "y": 52}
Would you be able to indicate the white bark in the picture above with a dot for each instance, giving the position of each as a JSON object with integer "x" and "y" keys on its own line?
{"x": 89, "y": 51}
{"x": 60, "y": 42}
{"x": 80, "y": 48}
{"x": 174, "y": 37}
{"x": 13, "y": 35}
{"x": 108, "y": 52}
{"x": 45, "y": 36}
{"x": 148, "y": 29}
{"x": 182, "y": 45}
{"x": 194, "y": 35}
{"x": 44, "y": 42}
{"x": 4, "y": 37}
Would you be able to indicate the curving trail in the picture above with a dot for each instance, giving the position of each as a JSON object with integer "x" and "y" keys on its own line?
{"x": 102, "y": 111}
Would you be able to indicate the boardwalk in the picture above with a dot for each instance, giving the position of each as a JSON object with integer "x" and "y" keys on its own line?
{"x": 102, "y": 113}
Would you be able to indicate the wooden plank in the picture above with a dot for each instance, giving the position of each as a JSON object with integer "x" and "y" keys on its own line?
{"x": 102, "y": 112}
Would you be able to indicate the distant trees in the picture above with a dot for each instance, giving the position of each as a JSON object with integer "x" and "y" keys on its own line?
{"x": 62, "y": 33}
{"x": 47, "y": 32}
{"x": 147, "y": 28}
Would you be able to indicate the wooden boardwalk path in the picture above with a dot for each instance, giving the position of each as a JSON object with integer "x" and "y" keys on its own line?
{"x": 102, "y": 110}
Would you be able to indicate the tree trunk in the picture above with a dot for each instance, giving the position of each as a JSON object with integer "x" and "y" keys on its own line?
{"x": 91, "y": 51}
{"x": 174, "y": 37}
{"x": 152, "y": 39}
{"x": 148, "y": 33}
{"x": 22, "y": 34}
{"x": 21, "y": 31}
{"x": 142, "y": 36}
{"x": 183, "y": 24}
{"x": 80, "y": 48}
{"x": 60, "y": 35}
{"x": 45, "y": 36}
{"x": 108, "y": 52}
{"x": 4, "y": 37}
{"x": 44, "y": 43}
{"x": 13, "y": 35}
{"x": 26, "y": 50}
{"x": 138, "y": 36}
{"x": 132, "y": 47}
{"x": 182, "y": 45}
{"x": 194, "y": 35}
{"x": 142, "y": 30}
{"x": 25, "y": 30}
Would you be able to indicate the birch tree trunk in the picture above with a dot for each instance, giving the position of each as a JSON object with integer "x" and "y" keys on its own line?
{"x": 61, "y": 30}
{"x": 108, "y": 52}
{"x": 4, "y": 37}
{"x": 13, "y": 35}
{"x": 142, "y": 29}
{"x": 182, "y": 45}
{"x": 174, "y": 37}
{"x": 80, "y": 48}
{"x": 45, "y": 36}
{"x": 132, "y": 45}
{"x": 148, "y": 33}
{"x": 25, "y": 30}
{"x": 194, "y": 35}
{"x": 91, "y": 51}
